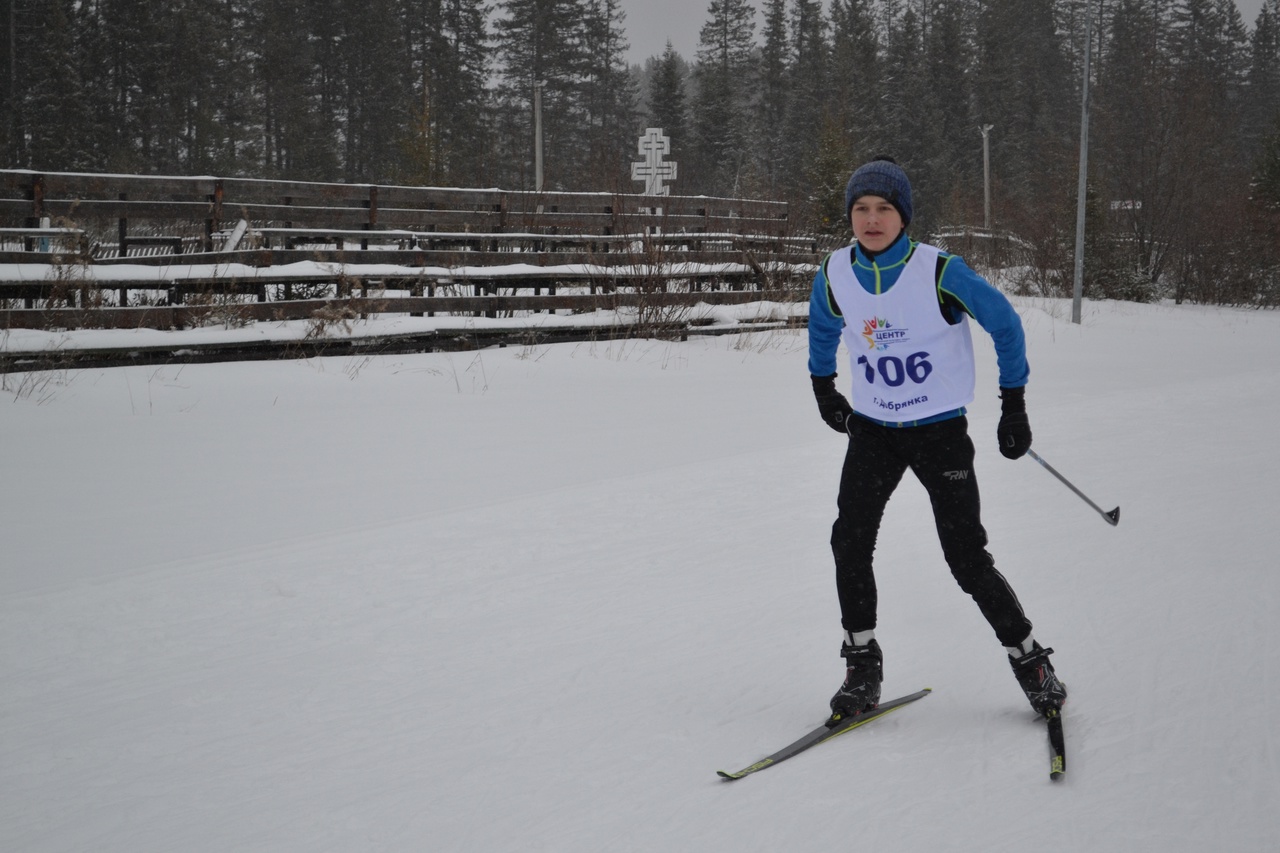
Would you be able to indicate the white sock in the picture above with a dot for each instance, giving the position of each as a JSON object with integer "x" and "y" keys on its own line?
{"x": 861, "y": 638}
{"x": 1023, "y": 648}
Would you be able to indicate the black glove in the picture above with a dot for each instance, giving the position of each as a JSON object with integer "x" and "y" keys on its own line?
{"x": 832, "y": 405}
{"x": 1014, "y": 430}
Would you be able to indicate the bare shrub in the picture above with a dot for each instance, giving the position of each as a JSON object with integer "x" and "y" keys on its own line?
{"x": 212, "y": 308}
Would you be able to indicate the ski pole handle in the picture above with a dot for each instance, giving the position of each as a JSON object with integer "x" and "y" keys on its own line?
{"x": 1112, "y": 517}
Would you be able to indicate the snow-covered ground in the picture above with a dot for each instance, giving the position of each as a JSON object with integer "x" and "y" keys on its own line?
{"x": 531, "y": 599}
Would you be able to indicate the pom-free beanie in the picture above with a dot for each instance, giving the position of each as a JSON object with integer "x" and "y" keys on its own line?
{"x": 882, "y": 177}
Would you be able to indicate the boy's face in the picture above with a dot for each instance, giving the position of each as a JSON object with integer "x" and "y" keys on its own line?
{"x": 876, "y": 223}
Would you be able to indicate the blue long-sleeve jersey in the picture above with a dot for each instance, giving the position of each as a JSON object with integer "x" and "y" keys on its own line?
{"x": 959, "y": 288}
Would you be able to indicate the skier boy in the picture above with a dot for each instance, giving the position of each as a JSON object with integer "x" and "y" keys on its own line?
{"x": 902, "y": 309}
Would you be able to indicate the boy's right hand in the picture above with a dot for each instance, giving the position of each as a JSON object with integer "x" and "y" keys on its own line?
{"x": 832, "y": 405}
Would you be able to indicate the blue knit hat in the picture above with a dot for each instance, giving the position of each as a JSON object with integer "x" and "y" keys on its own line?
{"x": 882, "y": 177}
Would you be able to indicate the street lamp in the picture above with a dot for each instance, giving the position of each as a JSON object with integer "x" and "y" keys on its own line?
{"x": 538, "y": 135}
{"x": 1077, "y": 285}
{"x": 986, "y": 177}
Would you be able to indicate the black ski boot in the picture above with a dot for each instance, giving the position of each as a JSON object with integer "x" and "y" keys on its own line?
{"x": 861, "y": 689}
{"x": 1034, "y": 672}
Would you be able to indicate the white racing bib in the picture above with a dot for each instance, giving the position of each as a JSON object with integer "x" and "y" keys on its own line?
{"x": 908, "y": 362}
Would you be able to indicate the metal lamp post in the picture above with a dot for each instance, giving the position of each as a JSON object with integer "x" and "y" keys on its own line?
{"x": 537, "y": 134}
{"x": 986, "y": 177}
{"x": 1077, "y": 287}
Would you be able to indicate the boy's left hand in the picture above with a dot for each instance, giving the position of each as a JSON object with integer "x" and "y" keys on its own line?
{"x": 1014, "y": 430}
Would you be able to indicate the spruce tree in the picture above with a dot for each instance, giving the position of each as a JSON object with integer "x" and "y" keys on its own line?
{"x": 1024, "y": 88}
{"x": 137, "y": 70}
{"x": 1207, "y": 50}
{"x": 855, "y": 79}
{"x": 668, "y": 102}
{"x": 806, "y": 106}
{"x": 49, "y": 112}
{"x": 206, "y": 84}
{"x": 910, "y": 133}
{"x": 947, "y": 49}
{"x": 377, "y": 97}
{"x": 540, "y": 42}
{"x": 1262, "y": 103}
{"x": 852, "y": 116}
{"x": 448, "y": 47}
{"x": 1133, "y": 118}
{"x": 770, "y": 126}
{"x": 609, "y": 99}
{"x": 724, "y": 78}
{"x": 296, "y": 130}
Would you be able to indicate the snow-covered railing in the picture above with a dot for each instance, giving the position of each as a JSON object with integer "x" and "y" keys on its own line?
{"x": 203, "y": 207}
{"x": 144, "y": 242}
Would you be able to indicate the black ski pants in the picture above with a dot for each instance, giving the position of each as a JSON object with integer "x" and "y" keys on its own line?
{"x": 941, "y": 456}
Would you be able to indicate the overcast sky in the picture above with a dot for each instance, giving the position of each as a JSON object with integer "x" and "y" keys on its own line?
{"x": 650, "y": 23}
{"x": 1249, "y": 10}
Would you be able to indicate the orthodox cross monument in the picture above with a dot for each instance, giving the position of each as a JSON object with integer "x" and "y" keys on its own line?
{"x": 652, "y": 170}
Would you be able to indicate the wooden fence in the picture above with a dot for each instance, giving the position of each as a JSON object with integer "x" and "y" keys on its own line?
{"x": 132, "y": 251}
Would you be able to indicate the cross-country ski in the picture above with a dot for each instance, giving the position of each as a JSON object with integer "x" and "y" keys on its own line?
{"x": 823, "y": 733}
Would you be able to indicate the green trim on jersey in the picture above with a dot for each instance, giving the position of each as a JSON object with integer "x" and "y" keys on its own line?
{"x": 826, "y": 280}
{"x": 877, "y": 269}
{"x": 945, "y": 297}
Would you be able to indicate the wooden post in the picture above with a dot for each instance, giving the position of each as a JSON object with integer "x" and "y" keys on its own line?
{"x": 415, "y": 290}
{"x": 214, "y": 223}
{"x": 37, "y": 200}
{"x": 372, "y": 224}
{"x": 124, "y": 230}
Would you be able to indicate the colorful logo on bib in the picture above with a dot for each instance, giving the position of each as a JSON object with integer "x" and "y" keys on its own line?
{"x": 881, "y": 334}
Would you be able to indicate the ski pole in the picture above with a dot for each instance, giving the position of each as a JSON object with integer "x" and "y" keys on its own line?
{"x": 1113, "y": 517}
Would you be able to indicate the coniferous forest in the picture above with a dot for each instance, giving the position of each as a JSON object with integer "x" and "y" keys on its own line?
{"x": 1184, "y": 157}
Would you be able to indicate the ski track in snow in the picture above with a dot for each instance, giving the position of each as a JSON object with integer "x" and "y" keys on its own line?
{"x": 533, "y": 599}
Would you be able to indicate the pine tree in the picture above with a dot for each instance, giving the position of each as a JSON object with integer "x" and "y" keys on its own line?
{"x": 1262, "y": 103}
{"x": 236, "y": 143}
{"x": 51, "y": 112}
{"x": 377, "y": 95}
{"x": 1207, "y": 56}
{"x": 947, "y": 48}
{"x": 852, "y": 130}
{"x": 668, "y": 104}
{"x": 1266, "y": 177}
{"x": 540, "y": 42}
{"x": 770, "y": 126}
{"x": 448, "y": 45}
{"x": 806, "y": 106}
{"x": 296, "y": 130}
{"x": 202, "y": 84}
{"x": 724, "y": 78}
{"x": 1207, "y": 40}
{"x": 856, "y": 83}
{"x": 910, "y": 132}
{"x": 137, "y": 70}
{"x": 1134, "y": 118}
{"x": 1023, "y": 87}
{"x": 609, "y": 98}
